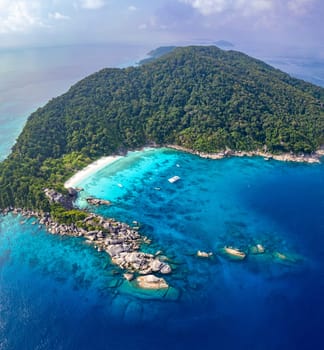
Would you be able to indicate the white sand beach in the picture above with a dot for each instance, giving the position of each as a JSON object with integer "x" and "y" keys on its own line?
{"x": 89, "y": 170}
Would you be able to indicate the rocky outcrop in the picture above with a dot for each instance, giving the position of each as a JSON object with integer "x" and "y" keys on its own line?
{"x": 135, "y": 261}
{"x": 257, "y": 249}
{"x": 65, "y": 200}
{"x": 117, "y": 239}
{"x": 284, "y": 157}
{"x": 202, "y": 254}
{"x": 233, "y": 253}
{"x": 151, "y": 282}
{"x": 96, "y": 201}
{"x": 128, "y": 276}
{"x": 287, "y": 258}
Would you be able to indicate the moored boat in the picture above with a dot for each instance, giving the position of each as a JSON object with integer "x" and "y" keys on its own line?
{"x": 174, "y": 179}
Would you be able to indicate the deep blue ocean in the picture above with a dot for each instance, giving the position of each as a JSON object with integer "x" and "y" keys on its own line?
{"x": 59, "y": 293}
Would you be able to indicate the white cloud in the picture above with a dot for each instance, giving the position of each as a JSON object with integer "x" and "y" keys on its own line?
{"x": 19, "y": 16}
{"x": 143, "y": 26}
{"x": 132, "y": 8}
{"x": 249, "y": 7}
{"x": 208, "y": 7}
{"x": 299, "y": 7}
{"x": 92, "y": 4}
{"x": 58, "y": 16}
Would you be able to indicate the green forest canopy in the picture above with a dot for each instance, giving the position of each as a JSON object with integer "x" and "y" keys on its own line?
{"x": 202, "y": 98}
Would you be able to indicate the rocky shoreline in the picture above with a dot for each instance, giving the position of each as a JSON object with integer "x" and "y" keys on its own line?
{"x": 119, "y": 240}
{"x": 285, "y": 157}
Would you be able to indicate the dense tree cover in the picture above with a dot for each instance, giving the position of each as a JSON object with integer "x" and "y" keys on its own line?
{"x": 199, "y": 97}
{"x": 68, "y": 217}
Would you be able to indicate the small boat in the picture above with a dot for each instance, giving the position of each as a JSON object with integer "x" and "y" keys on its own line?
{"x": 174, "y": 179}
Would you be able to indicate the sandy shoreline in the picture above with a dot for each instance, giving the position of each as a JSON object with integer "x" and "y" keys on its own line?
{"x": 285, "y": 157}
{"x": 97, "y": 165}
{"x": 89, "y": 170}
{"x": 104, "y": 161}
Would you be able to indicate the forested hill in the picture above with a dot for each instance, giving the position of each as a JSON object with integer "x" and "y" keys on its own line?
{"x": 198, "y": 97}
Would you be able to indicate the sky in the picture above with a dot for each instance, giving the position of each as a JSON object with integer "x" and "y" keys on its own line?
{"x": 275, "y": 24}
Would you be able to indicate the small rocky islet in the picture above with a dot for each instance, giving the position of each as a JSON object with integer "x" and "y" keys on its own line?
{"x": 252, "y": 251}
{"x": 119, "y": 240}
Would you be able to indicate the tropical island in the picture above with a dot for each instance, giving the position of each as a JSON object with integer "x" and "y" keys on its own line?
{"x": 199, "y": 99}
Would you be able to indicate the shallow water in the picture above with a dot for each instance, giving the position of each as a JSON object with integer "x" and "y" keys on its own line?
{"x": 60, "y": 293}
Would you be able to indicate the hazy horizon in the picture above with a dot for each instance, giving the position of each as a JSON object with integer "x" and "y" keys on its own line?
{"x": 269, "y": 26}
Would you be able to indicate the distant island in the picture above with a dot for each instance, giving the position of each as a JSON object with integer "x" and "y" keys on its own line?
{"x": 224, "y": 44}
{"x": 199, "y": 98}
{"x": 154, "y": 54}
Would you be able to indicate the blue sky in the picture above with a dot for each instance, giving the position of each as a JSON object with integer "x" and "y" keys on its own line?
{"x": 277, "y": 24}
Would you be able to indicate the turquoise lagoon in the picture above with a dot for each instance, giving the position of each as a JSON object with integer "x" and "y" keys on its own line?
{"x": 59, "y": 293}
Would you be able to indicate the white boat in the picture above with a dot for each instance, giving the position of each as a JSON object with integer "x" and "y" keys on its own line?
{"x": 174, "y": 179}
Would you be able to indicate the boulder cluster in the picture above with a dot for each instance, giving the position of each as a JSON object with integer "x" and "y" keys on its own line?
{"x": 96, "y": 201}
{"x": 121, "y": 241}
{"x": 65, "y": 200}
{"x": 118, "y": 239}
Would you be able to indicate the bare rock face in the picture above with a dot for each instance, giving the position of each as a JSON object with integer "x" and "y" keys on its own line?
{"x": 233, "y": 253}
{"x": 56, "y": 197}
{"x": 156, "y": 265}
{"x": 160, "y": 266}
{"x": 128, "y": 276}
{"x": 96, "y": 201}
{"x": 257, "y": 249}
{"x": 72, "y": 192}
{"x": 165, "y": 269}
{"x": 151, "y": 282}
{"x": 114, "y": 250}
{"x": 287, "y": 258}
{"x": 202, "y": 254}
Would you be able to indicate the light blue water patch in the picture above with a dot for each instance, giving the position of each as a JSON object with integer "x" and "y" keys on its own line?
{"x": 208, "y": 203}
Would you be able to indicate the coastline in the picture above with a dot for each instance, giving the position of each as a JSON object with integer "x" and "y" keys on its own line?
{"x": 89, "y": 170}
{"x": 102, "y": 162}
{"x": 120, "y": 241}
{"x": 284, "y": 157}
{"x": 98, "y": 164}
